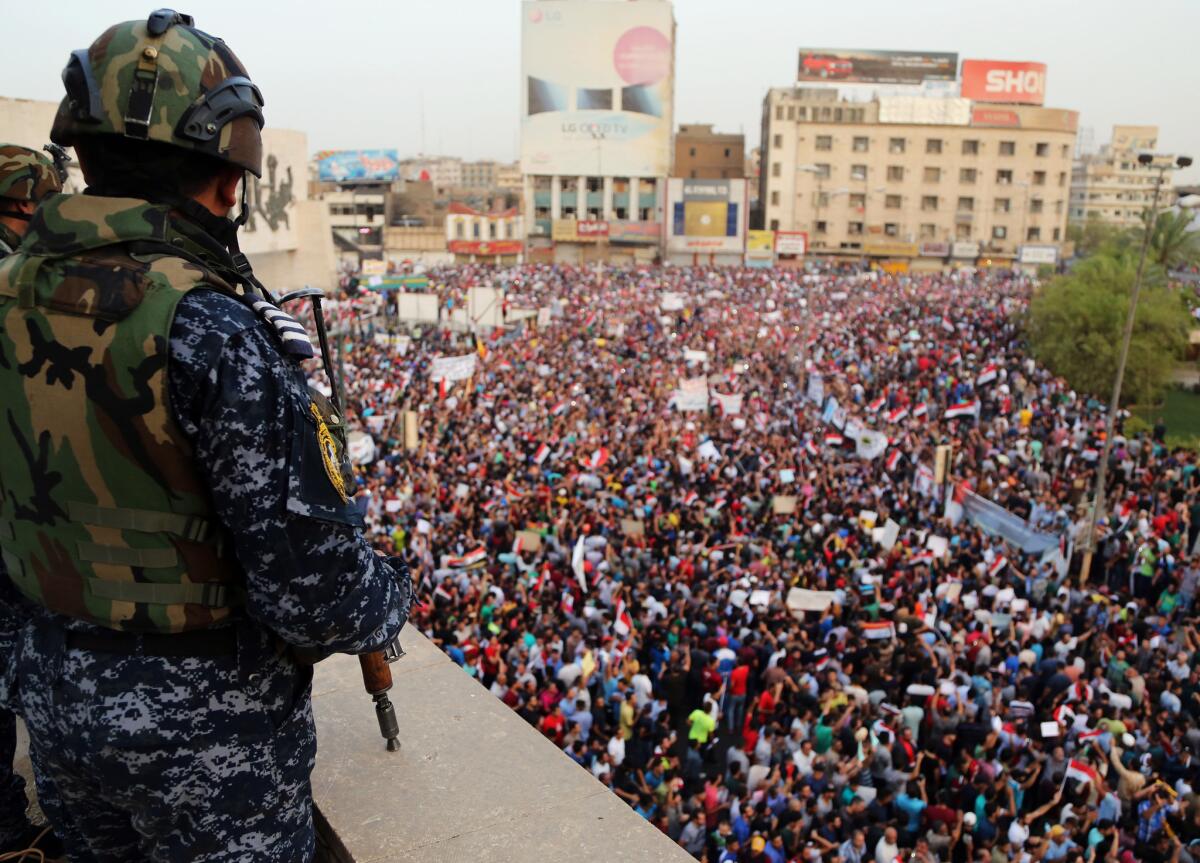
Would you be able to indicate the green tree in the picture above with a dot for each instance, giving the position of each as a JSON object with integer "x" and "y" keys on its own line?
{"x": 1092, "y": 235}
{"x": 1076, "y": 322}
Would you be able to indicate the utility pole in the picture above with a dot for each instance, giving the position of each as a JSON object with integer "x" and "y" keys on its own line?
{"x": 1115, "y": 402}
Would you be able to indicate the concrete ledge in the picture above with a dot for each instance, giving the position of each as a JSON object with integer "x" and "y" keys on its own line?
{"x": 472, "y": 782}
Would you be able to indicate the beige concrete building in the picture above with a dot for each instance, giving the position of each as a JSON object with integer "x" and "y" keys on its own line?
{"x": 1110, "y": 185}
{"x": 906, "y": 177}
{"x": 701, "y": 153}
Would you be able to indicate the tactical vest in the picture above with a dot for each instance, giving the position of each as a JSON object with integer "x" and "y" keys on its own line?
{"x": 103, "y": 515}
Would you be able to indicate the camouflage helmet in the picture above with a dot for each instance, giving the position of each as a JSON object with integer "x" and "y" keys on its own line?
{"x": 26, "y": 175}
{"x": 163, "y": 80}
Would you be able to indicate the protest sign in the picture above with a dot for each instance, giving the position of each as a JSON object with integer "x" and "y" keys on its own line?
{"x": 451, "y": 369}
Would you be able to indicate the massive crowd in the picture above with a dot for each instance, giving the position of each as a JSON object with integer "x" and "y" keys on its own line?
{"x": 790, "y": 560}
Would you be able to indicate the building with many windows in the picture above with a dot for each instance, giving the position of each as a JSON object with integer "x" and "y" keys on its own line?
{"x": 701, "y": 153}
{"x": 1111, "y": 185}
{"x": 911, "y": 177}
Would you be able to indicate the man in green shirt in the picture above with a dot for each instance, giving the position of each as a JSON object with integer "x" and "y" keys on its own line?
{"x": 701, "y": 726}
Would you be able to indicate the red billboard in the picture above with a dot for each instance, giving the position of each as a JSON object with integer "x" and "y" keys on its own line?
{"x": 591, "y": 228}
{"x": 1003, "y": 81}
{"x": 477, "y": 247}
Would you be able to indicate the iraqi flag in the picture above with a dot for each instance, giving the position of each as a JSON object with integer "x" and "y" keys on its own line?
{"x": 922, "y": 558}
{"x": 690, "y": 498}
{"x": 893, "y": 460}
{"x": 559, "y": 409}
{"x": 897, "y": 415}
{"x": 1090, "y": 454}
{"x": 623, "y": 623}
{"x": 878, "y": 631}
{"x": 834, "y": 440}
{"x": 470, "y": 560}
{"x": 518, "y": 545}
{"x": 1081, "y": 771}
{"x": 598, "y": 458}
{"x": 962, "y": 409}
{"x": 543, "y": 452}
{"x": 875, "y": 406}
{"x": 947, "y": 325}
{"x": 998, "y": 565}
{"x": 810, "y": 447}
{"x": 920, "y": 411}
{"x": 988, "y": 375}
{"x": 719, "y": 505}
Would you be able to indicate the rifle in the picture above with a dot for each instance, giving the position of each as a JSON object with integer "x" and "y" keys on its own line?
{"x": 376, "y": 666}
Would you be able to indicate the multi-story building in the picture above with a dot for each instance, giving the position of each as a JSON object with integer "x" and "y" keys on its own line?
{"x": 701, "y": 153}
{"x": 508, "y": 178}
{"x": 445, "y": 172}
{"x": 479, "y": 175}
{"x": 597, "y": 114}
{"x": 492, "y": 237}
{"x": 907, "y": 177}
{"x": 1112, "y": 185}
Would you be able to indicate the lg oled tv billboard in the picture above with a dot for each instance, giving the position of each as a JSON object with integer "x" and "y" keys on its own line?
{"x": 597, "y": 87}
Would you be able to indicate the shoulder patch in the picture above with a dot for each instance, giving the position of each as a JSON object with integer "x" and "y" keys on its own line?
{"x": 291, "y": 332}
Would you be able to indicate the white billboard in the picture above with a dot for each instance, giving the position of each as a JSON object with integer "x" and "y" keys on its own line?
{"x": 597, "y": 87}
{"x": 706, "y": 216}
{"x": 1039, "y": 254}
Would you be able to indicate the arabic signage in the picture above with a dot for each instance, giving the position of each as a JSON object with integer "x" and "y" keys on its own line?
{"x": 791, "y": 243}
{"x": 964, "y": 250}
{"x": 934, "y": 250}
{"x": 647, "y": 233}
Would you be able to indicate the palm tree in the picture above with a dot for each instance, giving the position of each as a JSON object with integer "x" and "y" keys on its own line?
{"x": 1172, "y": 241}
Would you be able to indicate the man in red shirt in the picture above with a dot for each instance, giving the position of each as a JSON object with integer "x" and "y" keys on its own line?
{"x": 736, "y": 709}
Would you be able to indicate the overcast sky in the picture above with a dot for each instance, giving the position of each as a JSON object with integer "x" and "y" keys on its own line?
{"x": 356, "y": 74}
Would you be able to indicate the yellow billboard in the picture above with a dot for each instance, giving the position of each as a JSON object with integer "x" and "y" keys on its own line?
{"x": 597, "y": 87}
{"x": 760, "y": 244}
{"x": 705, "y": 218}
{"x": 890, "y": 248}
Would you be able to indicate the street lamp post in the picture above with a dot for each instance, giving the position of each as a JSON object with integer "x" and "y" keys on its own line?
{"x": 1114, "y": 403}
{"x": 820, "y": 174}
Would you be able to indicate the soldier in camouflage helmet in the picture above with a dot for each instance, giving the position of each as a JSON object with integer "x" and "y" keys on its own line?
{"x": 178, "y": 511}
{"x": 26, "y": 178}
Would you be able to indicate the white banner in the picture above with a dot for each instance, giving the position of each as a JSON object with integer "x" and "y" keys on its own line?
{"x": 692, "y": 394}
{"x": 671, "y": 302}
{"x": 816, "y": 389}
{"x": 453, "y": 369}
{"x": 691, "y": 356}
{"x": 731, "y": 405}
{"x": 360, "y": 447}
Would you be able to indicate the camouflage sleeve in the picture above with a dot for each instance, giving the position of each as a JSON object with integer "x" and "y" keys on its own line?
{"x": 311, "y": 576}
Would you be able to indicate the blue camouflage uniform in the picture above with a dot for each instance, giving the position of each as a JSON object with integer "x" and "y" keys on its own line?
{"x": 14, "y": 822}
{"x": 207, "y": 758}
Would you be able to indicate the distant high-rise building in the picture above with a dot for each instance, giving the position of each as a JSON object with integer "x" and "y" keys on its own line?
{"x": 1111, "y": 185}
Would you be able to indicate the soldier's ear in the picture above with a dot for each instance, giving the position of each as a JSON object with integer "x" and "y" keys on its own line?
{"x": 228, "y": 187}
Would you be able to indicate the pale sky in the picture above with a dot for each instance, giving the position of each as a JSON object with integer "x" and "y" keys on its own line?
{"x": 355, "y": 74}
